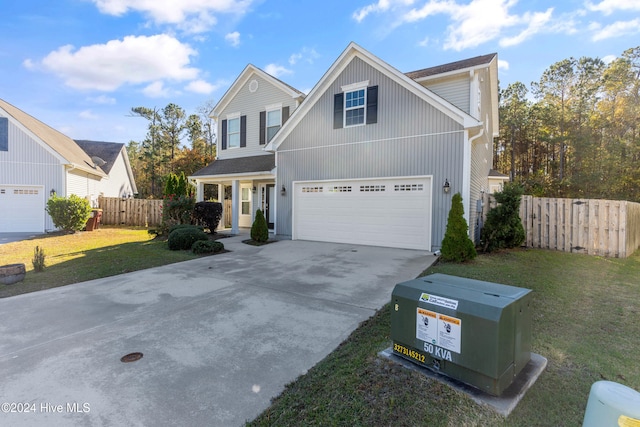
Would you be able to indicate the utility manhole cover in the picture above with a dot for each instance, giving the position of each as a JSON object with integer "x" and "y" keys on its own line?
{"x": 131, "y": 357}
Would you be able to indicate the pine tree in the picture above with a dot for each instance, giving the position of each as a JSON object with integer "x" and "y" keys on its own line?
{"x": 259, "y": 229}
{"x": 456, "y": 245}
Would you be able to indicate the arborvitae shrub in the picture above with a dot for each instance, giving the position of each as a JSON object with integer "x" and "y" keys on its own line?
{"x": 208, "y": 214}
{"x": 259, "y": 229}
{"x": 69, "y": 214}
{"x": 207, "y": 247}
{"x": 456, "y": 245}
{"x": 184, "y": 238}
{"x": 38, "y": 260}
{"x": 503, "y": 228}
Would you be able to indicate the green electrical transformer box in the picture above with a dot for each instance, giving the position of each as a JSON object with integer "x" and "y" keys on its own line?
{"x": 473, "y": 331}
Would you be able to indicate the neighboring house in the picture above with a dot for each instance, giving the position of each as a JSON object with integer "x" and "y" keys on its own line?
{"x": 37, "y": 161}
{"x": 248, "y": 116}
{"x": 113, "y": 159}
{"x": 373, "y": 156}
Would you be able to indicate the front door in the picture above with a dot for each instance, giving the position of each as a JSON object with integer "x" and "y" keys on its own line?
{"x": 244, "y": 217}
{"x": 269, "y": 201}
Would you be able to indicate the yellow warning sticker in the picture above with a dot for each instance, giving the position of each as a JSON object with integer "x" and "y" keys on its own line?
{"x": 624, "y": 421}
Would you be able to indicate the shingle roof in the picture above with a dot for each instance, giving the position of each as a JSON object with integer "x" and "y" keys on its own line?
{"x": 107, "y": 151}
{"x": 261, "y": 163}
{"x": 60, "y": 143}
{"x": 452, "y": 66}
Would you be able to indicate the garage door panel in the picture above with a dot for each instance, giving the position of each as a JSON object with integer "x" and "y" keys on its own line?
{"x": 21, "y": 209}
{"x": 391, "y": 212}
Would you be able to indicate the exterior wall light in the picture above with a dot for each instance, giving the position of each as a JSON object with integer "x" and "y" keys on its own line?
{"x": 52, "y": 192}
{"x": 283, "y": 192}
{"x": 254, "y": 189}
{"x": 446, "y": 187}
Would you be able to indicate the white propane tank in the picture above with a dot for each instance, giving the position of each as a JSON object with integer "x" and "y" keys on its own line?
{"x": 612, "y": 404}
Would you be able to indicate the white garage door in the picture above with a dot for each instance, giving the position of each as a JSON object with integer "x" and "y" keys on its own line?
{"x": 391, "y": 212}
{"x": 21, "y": 209}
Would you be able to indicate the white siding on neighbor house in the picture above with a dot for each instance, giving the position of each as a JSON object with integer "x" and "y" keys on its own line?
{"x": 453, "y": 89}
{"x": 411, "y": 138}
{"x": 117, "y": 183}
{"x": 251, "y": 104}
{"x": 84, "y": 185}
{"x": 28, "y": 162}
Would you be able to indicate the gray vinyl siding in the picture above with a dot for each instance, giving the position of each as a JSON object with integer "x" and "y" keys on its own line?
{"x": 411, "y": 138}
{"x": 455, "y": 90}
{"x": 29, "y": 163}
{"x": 251, "y": 104}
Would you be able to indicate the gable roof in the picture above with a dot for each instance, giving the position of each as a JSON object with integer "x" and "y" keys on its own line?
{"x": 60, "y": 144}
{"x": 109, "y": 152}
{"x": 352, "y": 51}
{"x": 242, "y": 79}
{"x": 457, "y": 67}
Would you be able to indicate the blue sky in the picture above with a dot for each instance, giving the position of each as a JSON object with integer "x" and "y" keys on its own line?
{"x": 81, "y": 65}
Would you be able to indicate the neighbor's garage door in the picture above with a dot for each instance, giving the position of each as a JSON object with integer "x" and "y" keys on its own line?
{"x": 21, "y": 209}
{"x": 392, "y": 212}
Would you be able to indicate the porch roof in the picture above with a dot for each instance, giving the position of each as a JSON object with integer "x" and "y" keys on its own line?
{"x": 243, "y": 165}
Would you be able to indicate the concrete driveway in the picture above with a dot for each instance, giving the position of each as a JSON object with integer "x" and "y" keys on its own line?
{"x": 220, "y": 335}
{"x": 15, "y": 237}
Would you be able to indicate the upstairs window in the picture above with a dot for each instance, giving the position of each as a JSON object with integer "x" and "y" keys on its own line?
{"x": 356, "y": 105}
{"x": 4, "y": 134}
{"x": 274, "y": 121}
{"x": 234, "y": 131}
{"x": 233, "y": 135}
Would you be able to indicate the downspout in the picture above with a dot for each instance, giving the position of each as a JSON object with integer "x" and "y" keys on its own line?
{"x": 467, "y": 183}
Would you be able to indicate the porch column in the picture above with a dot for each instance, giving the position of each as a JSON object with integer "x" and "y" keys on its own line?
{"x": 221, "y": 200}
{"x": 199, "y": 191}
{"x": 235, "y": 206}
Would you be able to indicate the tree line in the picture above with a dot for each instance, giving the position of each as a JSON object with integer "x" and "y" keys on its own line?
{"x": 575, "y": 132}
{"x": 175, "y": 143}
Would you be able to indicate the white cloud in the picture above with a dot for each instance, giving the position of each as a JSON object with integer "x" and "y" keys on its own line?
{"x": 503, "y": 65}
{"x": 277, "y": 70}
{"x": 233, "y": 38}
{"x": 608, "y": 59}
{"x": 470, "y": 23}
{"x": 617, "y": 29}
{"x": 28, "y": 64}
{"x": 607, "y": 7}
{"x": 201, "y": 86}
{"x": 193, "y": 16}
{"x": 133, "y": 60}
{"x": 88, "y": 115}
{"x": 156, "y": 90}
{"x": 309, "y": 55}
{"x": 102, "y": 99}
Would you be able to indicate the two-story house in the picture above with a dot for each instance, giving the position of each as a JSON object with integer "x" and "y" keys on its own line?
{"x": 248, "y": 116}
{"x": 373, "y": 156}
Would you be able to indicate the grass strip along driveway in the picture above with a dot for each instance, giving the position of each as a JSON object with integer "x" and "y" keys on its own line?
{"x": 86, "y": 255}
{"x": 586, "y": 322}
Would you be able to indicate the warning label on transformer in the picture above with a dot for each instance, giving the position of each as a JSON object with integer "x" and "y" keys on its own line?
{"x": 438, "y": 329}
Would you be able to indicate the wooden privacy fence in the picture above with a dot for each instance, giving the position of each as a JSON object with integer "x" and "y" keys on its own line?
{"x": 609, "y": 228}
{"x": 133, "y": 212}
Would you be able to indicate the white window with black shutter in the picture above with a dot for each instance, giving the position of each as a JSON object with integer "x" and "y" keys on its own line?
{"x": 271, "y": 121}
{"x": 234, "y": 131}
{"x": 357, "y": 105}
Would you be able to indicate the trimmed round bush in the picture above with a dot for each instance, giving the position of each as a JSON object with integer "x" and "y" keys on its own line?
{"x": 178, "y": 226}
{"x": 207, "y": 247}
{"x": 184, "y": 238}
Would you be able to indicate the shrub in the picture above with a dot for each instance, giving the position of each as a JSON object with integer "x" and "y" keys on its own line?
{"x": 456, "y": 245}
{"x": 176, "y": 210}
{"x": 259, "y": 229}
{"x": 208, "y": 214}
{"x": 503, "y": 228}
{"x": 179, "y": 226}
{"x": 69, "y": 214}
{"x": 177, "y": 185}
{"x": 184, "y": 238}
{"x": 207, "y": 247}
{"x": 38, "y": 259}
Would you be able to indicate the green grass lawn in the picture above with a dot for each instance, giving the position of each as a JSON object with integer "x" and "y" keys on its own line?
{"x": 86, "y": 255}
{"x": 586, "y": 322}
